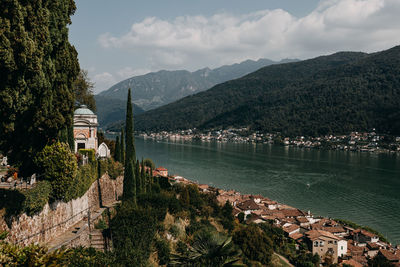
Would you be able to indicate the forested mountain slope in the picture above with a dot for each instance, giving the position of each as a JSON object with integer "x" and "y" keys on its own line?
{"x": 339, "y": 93}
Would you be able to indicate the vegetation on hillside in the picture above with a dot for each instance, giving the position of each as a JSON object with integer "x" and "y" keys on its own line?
{"x": 332, "y": 94}
{"x": 38, "y": 67}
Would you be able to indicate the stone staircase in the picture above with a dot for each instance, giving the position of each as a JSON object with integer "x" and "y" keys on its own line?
{"x": 97, "y": 240}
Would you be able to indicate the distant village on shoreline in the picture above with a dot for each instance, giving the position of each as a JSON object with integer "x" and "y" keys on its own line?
{"x": 355, "y": 141}
{"x": 346, "y": 243}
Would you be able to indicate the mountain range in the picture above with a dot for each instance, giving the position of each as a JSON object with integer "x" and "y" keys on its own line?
{"x": 159, "y": 88}
{"x": 339, "y": 93}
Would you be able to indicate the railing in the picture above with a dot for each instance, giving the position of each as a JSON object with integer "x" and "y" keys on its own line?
{"x": 54, "y": 226}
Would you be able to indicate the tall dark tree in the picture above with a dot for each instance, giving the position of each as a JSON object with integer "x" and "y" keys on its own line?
{"x": 122, "y": 146}
{"x": 130, "y": 153}
{"x": 129, "y": 188}
{"x": 143, "y": 177}
{"x": 117, "y": 156}
{"x": 83, "y": 89}
{"x": 138, "y": 178}
{"x": 71, "y": 140}
{"x": 38, "y": 66}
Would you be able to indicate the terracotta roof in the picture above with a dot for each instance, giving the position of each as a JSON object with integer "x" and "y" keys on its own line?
{"x": 315, "y": 234}
{"x": 373, "y": 246}
{"x": 291, "y": 228}
{"x": 302, "y": 220}
{"x": 351, "y": 262}
{"x": 203, "y": 186}
{"x": 248, "y": 205}
{"x": 296, "y": 236}
{"x": 335, "y": 229}
{"x": 365, "y": 233}
{"x": 292, "y": 212}
{"x": 389, "y": 255}
{"x": 161, "y": 169}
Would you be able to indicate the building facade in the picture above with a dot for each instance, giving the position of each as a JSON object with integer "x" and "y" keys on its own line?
{"x": 85, "y": 129}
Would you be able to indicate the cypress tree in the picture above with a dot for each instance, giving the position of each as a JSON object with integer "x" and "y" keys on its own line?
{"x": 130, "y": 154}
{"x": 117, "y": 153}
{"x": 138, "y": 180}
{"x": 122, "y": 146}
{"x": 129, "y": 189}
{"x": 143, "y": 177}
{"x": 71, "y": 140}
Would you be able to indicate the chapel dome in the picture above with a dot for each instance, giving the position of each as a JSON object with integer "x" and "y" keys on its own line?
{"x": 83, "y": 110}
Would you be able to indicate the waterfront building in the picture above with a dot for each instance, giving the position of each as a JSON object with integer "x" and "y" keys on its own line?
{"x": 326, "y": 244}
{"x": 85, "y": 129}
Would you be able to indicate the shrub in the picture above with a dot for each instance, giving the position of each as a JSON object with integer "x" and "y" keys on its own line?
{"x": 87, "y": 174}
{"x": 58, "y": 165}
{"x": 149, "y": 163}
{"x": 164, "y": 250}
{"x": 37, "y": 197}
{"x": 89, "y": 153}
{"x": 254, "y": 243}
{"x": 114, "y": 168}
{"x": 101, "y": 225}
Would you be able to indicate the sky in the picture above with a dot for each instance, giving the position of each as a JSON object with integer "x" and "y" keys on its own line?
{"x": 119, "y": 39}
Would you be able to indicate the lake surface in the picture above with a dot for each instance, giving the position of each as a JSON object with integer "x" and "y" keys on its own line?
{"x": 361, "y": 187}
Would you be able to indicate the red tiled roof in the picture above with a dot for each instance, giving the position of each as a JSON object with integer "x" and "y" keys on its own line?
{"x": 296, "y": 236}
{"x": 351, "y": 262}
{"x": 389, "y": 255}
{"x": 248, "y": 205}
{"x": 161, "y": 169}
{"x": 291, "y": 228}
{"x": 315, "y": 234}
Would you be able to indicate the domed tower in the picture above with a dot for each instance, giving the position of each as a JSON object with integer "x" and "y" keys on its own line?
{"x": 85, "y": 129}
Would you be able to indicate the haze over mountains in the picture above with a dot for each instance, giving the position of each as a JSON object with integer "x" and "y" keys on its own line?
{"x": 339, "y": 93}
{"x": 159, "y": 88}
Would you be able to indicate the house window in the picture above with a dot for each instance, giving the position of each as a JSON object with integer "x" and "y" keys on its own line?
{"x": 335, "y": 242}
{"x": 316, "y": 244}
{"x": 341, "y": 248}
{"x": 330, "y": 242}
{"x": 321, "y": 243}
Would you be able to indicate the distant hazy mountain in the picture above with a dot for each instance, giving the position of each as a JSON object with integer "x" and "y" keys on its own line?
{"x": 159, "y": 88}
{"x": 336, "y": 94}
{"x": 111, "y": 110}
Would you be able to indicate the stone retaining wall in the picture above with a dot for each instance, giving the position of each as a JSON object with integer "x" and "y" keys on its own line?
{"x": 56, "y": 218}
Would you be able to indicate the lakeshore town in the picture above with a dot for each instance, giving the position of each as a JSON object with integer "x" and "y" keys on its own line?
{"x": 323, "y": 236}
{"x": 354, "y": 141}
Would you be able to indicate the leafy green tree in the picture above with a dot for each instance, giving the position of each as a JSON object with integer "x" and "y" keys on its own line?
{"x": 254, "y": 243}
{"x": 58, "y": 165}
{"x": 133, "y": 230}
{"x": 227, "y": 217}
{"x": 83, "y": 89}
{"x": 208, "y": 249}
{"x": 149, "y": 163}
{"x": 38, "y": 66}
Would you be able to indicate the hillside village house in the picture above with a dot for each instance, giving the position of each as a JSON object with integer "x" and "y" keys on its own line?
{"x": 85, "y": 129}
{"x": 326, "y": 244}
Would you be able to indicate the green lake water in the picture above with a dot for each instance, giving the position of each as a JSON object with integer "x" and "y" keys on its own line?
{"x": 361, "y": 187}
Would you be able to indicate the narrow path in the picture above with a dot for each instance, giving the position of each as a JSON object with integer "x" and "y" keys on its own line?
{"x": 74, "y": 232}
{"x": 284, "y": 259}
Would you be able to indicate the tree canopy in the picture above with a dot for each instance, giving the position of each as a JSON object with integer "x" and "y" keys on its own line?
{"x": 38, "y": 66}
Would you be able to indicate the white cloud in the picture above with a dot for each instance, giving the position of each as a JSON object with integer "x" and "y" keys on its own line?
{"x": 198, "y": 41}
{"x": 103, "y": 81}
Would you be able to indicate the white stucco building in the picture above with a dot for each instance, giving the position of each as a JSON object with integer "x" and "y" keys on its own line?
{"x": 85, "y": 129}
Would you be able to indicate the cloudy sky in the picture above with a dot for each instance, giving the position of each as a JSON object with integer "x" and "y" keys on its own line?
{"x": 122, "y": 38}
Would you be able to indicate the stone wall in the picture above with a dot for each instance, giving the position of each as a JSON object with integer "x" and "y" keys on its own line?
{"x": 56, "y": 218}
